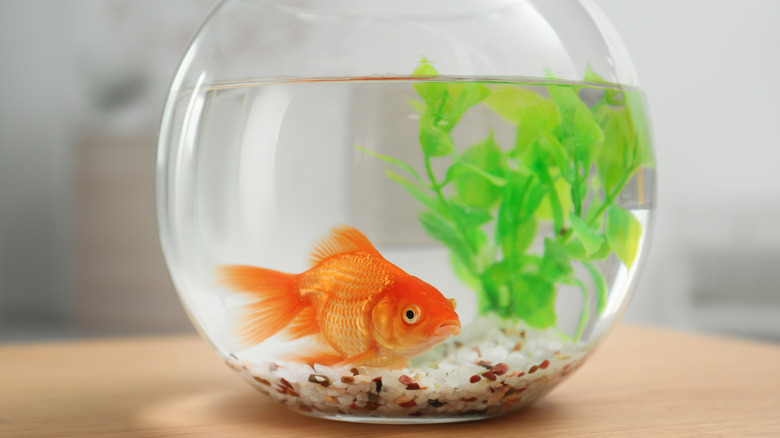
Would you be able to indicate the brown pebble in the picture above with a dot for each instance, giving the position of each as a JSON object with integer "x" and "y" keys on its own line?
{"x": 522, "y": 334}
{"x": 329, "y": 399}
{"x": 412, "y": 386}
{"x": 347, "y": 379}
{"x": 521, "y": 374}
{"x": 319, "y": 379}
{"x": 468, "y": 400}
{"x": 518, "y": 346}
{"x": 405, "y": 380}
{"x": 285, "y": 383}
{"x": 489, "y": 375}
{"x": 355, "y": 371}
{"x": 544, "y": 364}
{"x": 435, "y": 403}
{"x": 373, "y": 398}
{"x": 287, "y": 391}
{"x": 475, "y": 378}
{"x": 499, "y": 369}
{"x": 262, "y": 380}
{"x": 372, "y": 405}
{"x": 458, "y": 344}
{"x": 485, "y": 363}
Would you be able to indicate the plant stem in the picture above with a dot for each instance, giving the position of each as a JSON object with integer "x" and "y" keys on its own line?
{"x": 611, "y": 197}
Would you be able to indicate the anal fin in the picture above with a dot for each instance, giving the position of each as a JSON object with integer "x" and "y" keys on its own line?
{"x": 310, "y": 355}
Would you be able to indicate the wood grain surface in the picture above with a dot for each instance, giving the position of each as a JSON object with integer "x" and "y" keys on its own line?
{"x": 641, "y": 382}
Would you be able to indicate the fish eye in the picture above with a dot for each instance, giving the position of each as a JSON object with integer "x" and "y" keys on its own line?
{"x": 411, "y": 314}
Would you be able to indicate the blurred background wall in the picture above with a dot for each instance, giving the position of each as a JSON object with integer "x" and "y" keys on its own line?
{"x": 82, "y": 84}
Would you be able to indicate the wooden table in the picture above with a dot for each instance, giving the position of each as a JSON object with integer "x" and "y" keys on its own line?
{"x": 641, "y": 382}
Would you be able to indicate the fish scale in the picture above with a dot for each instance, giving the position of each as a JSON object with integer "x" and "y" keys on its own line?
{"x": 342, "y": 289}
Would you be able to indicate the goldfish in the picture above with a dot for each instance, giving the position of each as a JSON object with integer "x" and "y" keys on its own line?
{"x": 360, "y": 309}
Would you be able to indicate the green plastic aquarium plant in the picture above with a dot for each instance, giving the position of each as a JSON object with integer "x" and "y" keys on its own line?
{"x": 567, "y": 166}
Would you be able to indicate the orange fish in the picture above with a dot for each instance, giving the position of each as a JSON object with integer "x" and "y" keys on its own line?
{"x": 363, "y": 309}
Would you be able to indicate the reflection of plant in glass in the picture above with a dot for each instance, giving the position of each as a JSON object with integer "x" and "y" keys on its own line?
{"x": 567, "y": 166}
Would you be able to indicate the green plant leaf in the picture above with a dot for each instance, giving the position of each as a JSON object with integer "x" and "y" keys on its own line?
{"x": 392, "y": 160}
{"x": 532, "y": 113}
{"x": 616, "y": 156}
{"x": 591, "y": 240}
{"x": 523, "y": 194}
{"x": 460, "y": 168}
{"x": 623, "y": 231}
{"x": 478, "y": 174}
{"x": 445, "y": 232}
{"x": 563, "y": 193}
{"x": 636, "y": 103}
{"x": 425, "y": 69}
{"x": 428, "y": 200}
{"x": 419, "y": 106}
{"x": 534, "y": 300}
{"x": 603, "y": 252}
{"x": 580, "y": 132}
{"x": 459, "y": 98}
{"x": 588, "y": 133}
{"x": 516, "y": 237}
{"x": 553, "y": 147}
{"x": 576, "y": 250}
{"x": 434, "y": 141}
{"x": 555, "y": 261}
{"x": 469, "y": 216}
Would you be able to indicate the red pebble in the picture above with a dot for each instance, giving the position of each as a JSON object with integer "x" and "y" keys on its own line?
{"x": 406, "y": 380}
{"x": 468, "y": 400}
{"x": 408, "y": 404}
{"x": 475, "y": 378}
{"x": 413, "y": 386}
{"x": 354, "y": 406}
{"x": 489, "y": 375}
{"x": 544, "y": 364}
{"x": 500, "y": 368}
{"x": 286, "y": 383}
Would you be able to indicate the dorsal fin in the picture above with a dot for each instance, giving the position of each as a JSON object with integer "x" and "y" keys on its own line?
{"x": 341, "y": 239}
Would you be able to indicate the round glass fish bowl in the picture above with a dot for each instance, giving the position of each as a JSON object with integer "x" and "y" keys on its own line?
{"x": 405, "y": 211}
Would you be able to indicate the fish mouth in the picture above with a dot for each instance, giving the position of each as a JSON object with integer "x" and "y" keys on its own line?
{"x": 447, "y": 328}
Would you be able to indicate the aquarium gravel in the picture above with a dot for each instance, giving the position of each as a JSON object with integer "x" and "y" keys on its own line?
{"x": 494, "y": 368}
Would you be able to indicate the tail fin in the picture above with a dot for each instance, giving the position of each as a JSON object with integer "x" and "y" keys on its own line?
{"x": 277, "y": 306}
